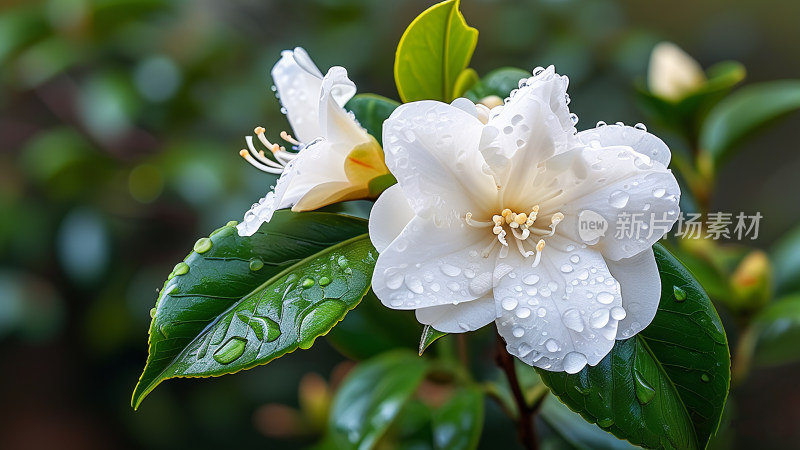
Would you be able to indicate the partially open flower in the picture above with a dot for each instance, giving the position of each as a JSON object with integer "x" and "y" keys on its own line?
{"x": 673, "y": 74}
{"x": 485, "y": 223}
{"x": 333, "y": 158}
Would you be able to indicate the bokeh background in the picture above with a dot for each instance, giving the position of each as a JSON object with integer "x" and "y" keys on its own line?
{"x": 120, "y": 123}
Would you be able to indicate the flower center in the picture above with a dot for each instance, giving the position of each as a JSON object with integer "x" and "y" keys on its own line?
{"x": 522, "y": 227}
{"x": 258, "y": 158}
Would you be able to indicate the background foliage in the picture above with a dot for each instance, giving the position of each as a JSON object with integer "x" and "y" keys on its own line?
{"x": 119, "y": 127}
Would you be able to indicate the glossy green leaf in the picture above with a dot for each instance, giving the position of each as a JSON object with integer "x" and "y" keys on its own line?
{"x": 222, "y": 301}
{"x": 499, "y": 82}
{"x": 429, "y": 336}
{"x": 778, "y": 330}
{"x": 785, "y": 258}
{"x": 371, "y": 397}
{"x": 433, "y": 52}
{"x": 744, "y": 112}
{"x": 371, "y": 110}
{"x": 458, "y": 423}
{"x": 666, "y": 387}
{"x": 372, "y": 329}
{"x": 579, "y": 433}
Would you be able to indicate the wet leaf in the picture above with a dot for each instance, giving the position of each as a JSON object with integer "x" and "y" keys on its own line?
{"x": 459, "y": 422}
{"x": 744, "y": 112}
{"x": 429, "y": 335}
{"x": 371, "y": 397}
{"x": 666, "y": 387}
{"x": 433, "y": 52}
{"x": 236, "y": 302}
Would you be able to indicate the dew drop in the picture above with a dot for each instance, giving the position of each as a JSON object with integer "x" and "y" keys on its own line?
{"x": 680, "y": 294}
{"x": 601, "y": 124}
{"x": 256, "y": 264}
{"x": 644, "y": 391}
{"x": 705, "y": 378}
{"x": 414, "y": 284}
{"x": 574, "y": 362}
{"x": 342, "y": 262}
{"x": 551, "y": 345}
{"x": 541, "y": 312}
{"x": 231, "y": 350}
{"x": 599, "y": 318}
{"x": 394, "y": 280}
{"x": 523, "y": 312}
{"x": 308, "y": 282}
{"x": 531, "y": 279}
{"x": 450, "y": 270}
{"x": 584, "y": 275}
{"x": 202, "y": 245}
{"x": 574, "y": 259}
{"x": 324, "y": 281}
{"x": 605, "y": 298}
{"x": 518, "y": 331}
{"x": 640, "y": 126}
{"x": 509, "y": 303}
{"x": 572, "y": 320}
{"x": 618, "y": 313}
{"x": 605, "y": 423}
{"x": 618, "y": 199}
{"x": 659, "y": 192}
{"x": 566, "y": 268}
{"x": 152, "y": 312}
{"x": 318, "y": 321}
{"x": 180, "y": 268}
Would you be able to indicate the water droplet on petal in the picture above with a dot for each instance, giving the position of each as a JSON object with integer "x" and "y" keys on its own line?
{"x": 394, "y": 280}
{"x": 659, "y": 192}
{"x": 450, "y": 270}
{"x": 618, "y": 199}
{"x": 551, "y": 345}
{"x": 518, "y": 331}
{"x": 599, "y": 318}
{"x": 523, "y": 312}
{"x": 566, "y": 268}
{"x": 531, "y": 279}
{"x": 605, "y": 298}
{"x": 574, "y": 362}
{"x": 509, "y": 303}
{"x": 572, "y": 320}
{"x": 574, "y": 259}
{"x": 618, "y": 313}
{"x": 481, "y": 284}
{"x": 414, "y": 284}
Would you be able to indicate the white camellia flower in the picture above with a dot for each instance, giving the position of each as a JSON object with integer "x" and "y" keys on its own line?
{"x": 333, "y": 158}
{"x": 486, "y": 223}
{"x": 672, "y": 73}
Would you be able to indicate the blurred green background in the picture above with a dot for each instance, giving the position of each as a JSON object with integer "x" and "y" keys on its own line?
{"x": 120, "y": 123}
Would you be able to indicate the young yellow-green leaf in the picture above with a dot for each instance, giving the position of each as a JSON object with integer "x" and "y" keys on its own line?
{"x": 744, "y": 112}
{"x": 665, "y": 387}
{"x": 433, "y": 52}
{"x": 220, "y": 302}
{"x": 370, "y": 399}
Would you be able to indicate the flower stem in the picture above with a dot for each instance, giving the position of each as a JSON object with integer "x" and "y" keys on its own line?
{"x": 526, "y": 427}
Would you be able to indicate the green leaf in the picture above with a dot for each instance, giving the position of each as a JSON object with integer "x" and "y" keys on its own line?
{"x": 778, "y": 328}
{"x": 371, "y": 110}
{"x": 371, "y": 397}
{"x": 459, "y": 422}
{"x": 429, "y": 335}
{"x": 499, "y": 82}
{"x": 372, "y": 329}
{"x": 785, "y": 258}
{"x": 666, "y": 386}
{"x": 573, "y": 429}
{"x": 221, "y": 300}
{"x": 433, "y": 52}
{"x": 744, "y": 112}
{"x": 466, "y": 80}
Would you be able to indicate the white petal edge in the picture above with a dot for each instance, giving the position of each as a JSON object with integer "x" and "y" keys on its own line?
{"x": 336, "y": 124}
{"x": 624, "y": 136}
{"x": 298, "y": 81}
{"x": 460, "y": 318}
{"x": 390, "y": 214}
{"x": 640, "y": 282}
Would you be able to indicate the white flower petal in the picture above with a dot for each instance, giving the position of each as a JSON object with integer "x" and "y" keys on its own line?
{"x": 298, "y": 82}
{"x": 314, "y": 176}
{"x": 624, "y": 187}
{"x": 557, "y": 316}
{"x": 621, "y": 135}
{"x": 430, "y": 265}
{"x": 467, "y": 316}
{"x": 390, "y": 214}
{"x": 336, "y": 124}
{"x": 465, "y": 105}
{"x": 640, "y": 282}
{"x": 432, "y": 150}
{"x": 522, "y": 136}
